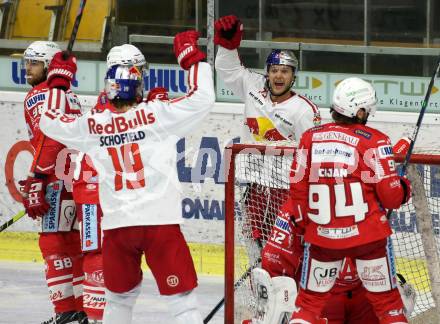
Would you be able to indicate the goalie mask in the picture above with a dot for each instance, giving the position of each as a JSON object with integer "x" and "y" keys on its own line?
{"x": 41, "y": 51}
{"x": 352, "y": 94}
{"x": 124, "y": 82}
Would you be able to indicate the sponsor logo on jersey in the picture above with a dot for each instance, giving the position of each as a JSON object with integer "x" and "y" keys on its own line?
{"x": 121, "y": 124}
{"x": 385, "y": 151}
{"x": 335, "y": 136}
{"x": 256, "y": 98}
{"x": 333, "y": 153}
{"x": 362, "y": 133}
{"x": 35, "y": 99}
{"x": 374, "y": 274}
{"x": 284, "y": 120}
{"x": 282, "y": 224}
{"x": 317, "y": 119}
{"x": 98, "y": 276}
{"x": 50, "y": 220}
{"x": 322, "y": 275}
{"x": 332, "y": 173}
{"x": 338, "y": 233}
{"x": 121, "y": 138}
{"x": 89, "y": 227}
{"x": 93, "y": 300}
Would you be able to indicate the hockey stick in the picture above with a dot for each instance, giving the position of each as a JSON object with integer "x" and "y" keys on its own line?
{"x": 75, "y": 28}
{"x": 239, "y": 282}
{"x": 418, "y": 124}
{"x": 12, "y": 220}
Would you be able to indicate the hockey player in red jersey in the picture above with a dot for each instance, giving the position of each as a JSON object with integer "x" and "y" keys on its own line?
{"x": 273, "y": 112}
{"x": 282, "y": 256}
{"x": 133, "y": 150}
{"x": 343, "y": 180}
{"x": 45, "y": 194}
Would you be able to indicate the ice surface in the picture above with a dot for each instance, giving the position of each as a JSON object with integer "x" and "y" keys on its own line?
{"x": 24, "y": 299}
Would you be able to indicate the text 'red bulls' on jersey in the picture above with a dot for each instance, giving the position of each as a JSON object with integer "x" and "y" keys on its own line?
{"x": 134, "y": 152}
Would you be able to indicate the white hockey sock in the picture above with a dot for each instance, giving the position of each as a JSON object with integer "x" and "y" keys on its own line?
{"x": 184, "y": 308}
{"x": 119, "y": 307}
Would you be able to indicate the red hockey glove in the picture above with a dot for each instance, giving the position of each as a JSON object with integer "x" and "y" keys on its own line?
{"x": 402, "y": 146}
{"x": 228, "y": 32}
{"x": 406, "y": 184}
{"x": 158, "y": 93}
{"x": 186, "y": 50}
{"x": 22, "y": 185}
{"x": 34, "y": 200}
{"x": 61, "y": 71}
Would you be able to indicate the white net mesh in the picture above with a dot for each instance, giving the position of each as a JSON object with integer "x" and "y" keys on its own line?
{"x": 260, "y": 187}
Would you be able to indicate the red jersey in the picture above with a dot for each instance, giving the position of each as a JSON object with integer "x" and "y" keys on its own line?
{"x": 46, "y": 149}
{"x": 343, "y": 178}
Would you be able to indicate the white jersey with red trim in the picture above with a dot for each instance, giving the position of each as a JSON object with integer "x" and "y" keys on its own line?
{"x": 135, "y": 152}
{"x": 266, "y": 120}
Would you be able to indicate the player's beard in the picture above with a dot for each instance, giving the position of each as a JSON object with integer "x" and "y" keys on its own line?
{"x": 34, "y": 80}
{"x": 281, "y": 92}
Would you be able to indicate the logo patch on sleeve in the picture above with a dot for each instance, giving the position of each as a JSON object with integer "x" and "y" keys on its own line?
{"x": 385, "y": 151}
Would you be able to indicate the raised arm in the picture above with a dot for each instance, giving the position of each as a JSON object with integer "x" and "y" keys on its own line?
{"x": 228, "y": 34}
{"x": 70, "y": 130}
{"x": 180, "y": 115}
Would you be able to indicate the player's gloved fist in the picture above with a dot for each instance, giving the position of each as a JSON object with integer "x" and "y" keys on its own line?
{"x": 402, "y": 146}
{"x": 186, "y": 50}
{"x": 406, "y": 184}
{"x": 34, "y": 197}
{"x": 159, "y": 93}
{"x": 228, "y": 32}
{"x": 61, "y": 71}
{"x": 22, "y": 185}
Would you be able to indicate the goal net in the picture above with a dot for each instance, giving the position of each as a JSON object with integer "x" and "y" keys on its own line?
{"x": 258, "y": 183}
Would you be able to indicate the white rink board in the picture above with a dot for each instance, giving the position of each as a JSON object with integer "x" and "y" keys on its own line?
{"x": 202, "y": 198}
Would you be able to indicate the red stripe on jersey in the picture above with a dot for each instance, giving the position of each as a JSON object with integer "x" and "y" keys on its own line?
{"x": 42, "y": 138}
{"x": 59, "y": 282}
{"x": 193, "y": 88}
{"x": 311, "y": 104}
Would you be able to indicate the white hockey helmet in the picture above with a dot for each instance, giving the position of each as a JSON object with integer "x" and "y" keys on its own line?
{"x": 42, "y": 51}
{"x": 126, "y": 54}
{"x": 352, "y": 94}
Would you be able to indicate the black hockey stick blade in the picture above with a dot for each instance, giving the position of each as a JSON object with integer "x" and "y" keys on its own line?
{"x": 14, "y": 219}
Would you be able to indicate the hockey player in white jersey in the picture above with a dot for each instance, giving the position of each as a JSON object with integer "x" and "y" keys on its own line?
{"x": 134, "y": 152}
{"x": 273, "y": 111}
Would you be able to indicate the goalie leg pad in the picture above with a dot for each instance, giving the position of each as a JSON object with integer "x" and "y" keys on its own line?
{"x": 184, "y": 308}
{"x": 119, "y": 307}
{"x": 275, "y": 296}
